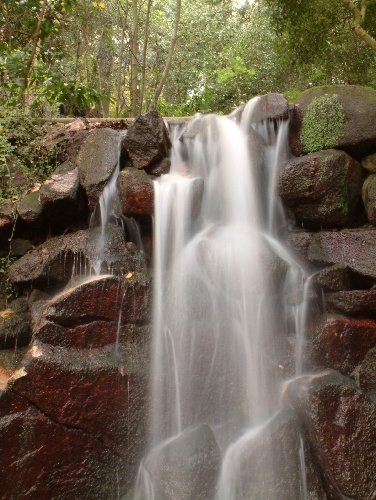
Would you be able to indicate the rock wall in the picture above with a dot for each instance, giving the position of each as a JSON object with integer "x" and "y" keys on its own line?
{"x": 74, "y": 344}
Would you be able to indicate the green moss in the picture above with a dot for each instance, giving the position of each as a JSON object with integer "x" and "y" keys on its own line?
{"x": 322, "y": 123}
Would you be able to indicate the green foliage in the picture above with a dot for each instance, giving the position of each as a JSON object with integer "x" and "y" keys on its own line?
{"x": 322, "y": 123}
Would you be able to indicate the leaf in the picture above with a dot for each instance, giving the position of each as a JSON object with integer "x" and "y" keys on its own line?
{"x": 129, "y": 275}
{"x": 6, "y": 313}
{"x": 102, "y": 5}
{"x": 94, "y": 4}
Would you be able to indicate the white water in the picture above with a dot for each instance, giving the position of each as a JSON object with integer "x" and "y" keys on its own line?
{"x": 219, "y": 319}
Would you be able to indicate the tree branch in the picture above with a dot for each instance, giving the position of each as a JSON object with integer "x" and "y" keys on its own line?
{"x": 359, "y": 16}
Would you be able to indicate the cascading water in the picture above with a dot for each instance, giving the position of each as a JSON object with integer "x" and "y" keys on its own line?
{"x": 219, "y": 321}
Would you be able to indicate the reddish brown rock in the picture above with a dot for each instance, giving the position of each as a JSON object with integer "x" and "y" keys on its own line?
{"x": 136, "y": 192}
{"x": 366, "y": 372}
{"x": 74, "y": 413}
{"x": 342, "y": 342}
{"x": 322, "y": 189}
{"x": 147, "y": 140}
{"x": 340, "y": 422}
{"x": 358, "y": 107}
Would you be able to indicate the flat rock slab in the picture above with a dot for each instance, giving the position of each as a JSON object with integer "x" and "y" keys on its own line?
{"x": 340, "y": 421}
{"x": 353, "y": 302}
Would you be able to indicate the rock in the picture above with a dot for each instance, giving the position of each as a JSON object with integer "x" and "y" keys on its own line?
{"x": 272, "y": 106}
{"x": 147, "y": 140}
{"x": 91, "y": 404}
{"x": 333, "y": 278}
{"x": 322, "y": 189}
{"x": 334, "y": 116}
{"x": 15, "y": 330}
{"x": 161, "y": 168}
{"x": 6, "y": 223}
{"x": 369, "y": 163}
{"x": 90, "y": 314}
{"x": 355, "y": 248}
{"x": 54, "y": 262}
{"x": 341, "y": 342}
{"x": 299, "y": 242}
{"x": 367, "y": 371}
{"x": 253, "y": 467}
{"x": 30, "y": 210}
{"x": 97, "y": 159}
{"x": 136, "y": 192}
{"x": 185, "y": 467}
{"x": 19, "y": 247}
{"x": 62, "y": 198}
{"x": 340, "y": 422}
{"x": 79, "y": 123}
{"x": 353, "y": 302}
{"x": 369, "y": 198}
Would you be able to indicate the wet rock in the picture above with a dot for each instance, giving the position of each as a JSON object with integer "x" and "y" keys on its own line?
{"x": 272, "y": 106}
{"x": 60, "y": 143}
{"x": 355, "y": 248}
{"x": 341, "y": 342}
{"x": 340, "y": 422}
{"x": 369, "y": 198}
{"x": 369, "y": 163}
{"x": 353, "y": 302}
{"x": 15, "y": 327}
{"x": 6, "y": 223}
{"x": 136, "y": 192}
{"x": 19, "y": 247}
{"x": 254, "y": 468}
{"x": 90, "y": 314}
{"x": 62, "y": 198}
{"x": 147, "y": 140}
{"x": 322, "y": 189}
{"x": 366, "y": 373}
{"x": 54, "y": 262}
{"x": 342, "y": 117}
{"x": 91, "y": 403}
{"x": 161, "y": 168}
{"x": 30, "y": 210}
{"x": 299, "y": 242}
{"x": 187, "y": 466}
{"x": 333, "y": 278}
{"x": 97, "y": 159}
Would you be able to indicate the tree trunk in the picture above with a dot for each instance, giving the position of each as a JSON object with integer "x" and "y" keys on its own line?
{"x": 134, "y": 61}
{"x": 159, "y": 88}
{"x": 143, "y": 76}
{"x": 21, "y": 96}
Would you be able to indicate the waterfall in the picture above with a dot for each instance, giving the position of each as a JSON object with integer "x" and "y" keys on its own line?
{"x": 220, "y": 315}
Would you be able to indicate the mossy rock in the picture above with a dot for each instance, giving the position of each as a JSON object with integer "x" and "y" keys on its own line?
{"x": 335, "y": 116}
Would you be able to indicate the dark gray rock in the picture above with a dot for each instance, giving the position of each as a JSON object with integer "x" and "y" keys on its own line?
{"x": 353, "y": 302}
{"x": 15, "y": 328}
{"x": 147, "y": 140}
{"x": 369, "y": 198}
{"x": 19, "y": 247}
{"x": 356, "y": 134}
{"x": 97, "y": 159}
{"x": 335, "y": 278}
{"x": 366, "y": 372}
{"x": 30, "y": 210}
{"x": 340, "y": 422}
{"x": 322, "y": 189}
{"x": 61, "y": 196}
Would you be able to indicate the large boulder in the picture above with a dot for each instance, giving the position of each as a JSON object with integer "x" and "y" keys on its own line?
{"x": 62, "y": 198}
{"x": 322, "y": 189}
{"x": 136, "y": 192}
{"x": 335, "y": 116}
{"x": 261, "y": 108}
{"x": 79, "y": 421}
{"x": 97, "y": 159}
{"x": 340, "y": 422}
{"x": 341, "y": 342}
{"x": 86, "y": 251}
{"x": 147, "y": 141}
{"x": 30, "y": 210}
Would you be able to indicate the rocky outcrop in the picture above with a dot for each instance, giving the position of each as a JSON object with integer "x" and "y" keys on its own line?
{"x": 335, "y": 116}
{"x": 136, "y": 192}
{"x": 340, "y": 422}
{"x": 322, "y": 189}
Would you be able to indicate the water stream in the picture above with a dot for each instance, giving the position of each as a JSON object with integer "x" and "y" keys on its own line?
{"x": 222, "y": 326}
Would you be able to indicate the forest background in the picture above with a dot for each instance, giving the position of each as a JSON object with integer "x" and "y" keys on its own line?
{"x": 123, "y": 57}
